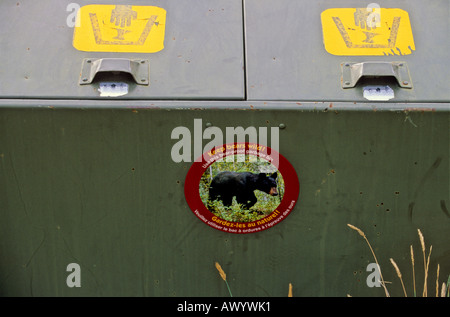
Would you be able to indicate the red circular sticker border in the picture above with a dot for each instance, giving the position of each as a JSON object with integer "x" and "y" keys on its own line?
{"x": 290, "y": 197}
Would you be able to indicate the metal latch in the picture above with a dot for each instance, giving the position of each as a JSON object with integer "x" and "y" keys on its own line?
{"x": 137, "y": 68}
{"x": 353, "y": 72}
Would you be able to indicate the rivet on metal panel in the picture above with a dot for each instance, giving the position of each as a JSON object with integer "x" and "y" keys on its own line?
{"x": 282, "y": 126}
{"x": 208, "y": 124}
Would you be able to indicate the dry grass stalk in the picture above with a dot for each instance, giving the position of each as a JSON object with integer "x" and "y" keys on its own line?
{"x": 448, "y": 286}
{"x": 373, "y": 253}
{"x": 290, "y": 290}
{"x": 221, "y": 272}
{"x": 399, "y": 274}
{"x": 384, "y": 286}
{"x": 357, "y": 229}
{"x": 223, "y": 276}
{"x": 422, "y": 243}
{"x": 437, "y": 281}
{"x": 445, "y": 289}
{"x": 414, "y": 275}
{"x": 426, "y": 273}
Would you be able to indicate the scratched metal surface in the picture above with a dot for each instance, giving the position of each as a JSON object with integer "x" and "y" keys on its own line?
{"x": 98, "y": 187}
{"x": 202, "y": 57}
{"x": 286, "y": 59}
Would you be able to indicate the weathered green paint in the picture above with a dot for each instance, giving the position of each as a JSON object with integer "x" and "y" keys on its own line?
{"x": 90, "y": 180}
{"x": 98, "y": 187}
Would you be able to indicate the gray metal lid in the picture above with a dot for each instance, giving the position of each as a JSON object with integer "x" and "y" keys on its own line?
{"x": 202, "y": 56}
{"x": 287, "y": 56}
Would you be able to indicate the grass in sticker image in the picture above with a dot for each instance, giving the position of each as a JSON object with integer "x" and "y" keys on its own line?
{"x": 241, "y": 188}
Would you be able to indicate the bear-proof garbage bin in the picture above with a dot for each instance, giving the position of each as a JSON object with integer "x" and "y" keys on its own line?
{"x": 321, "y": 118}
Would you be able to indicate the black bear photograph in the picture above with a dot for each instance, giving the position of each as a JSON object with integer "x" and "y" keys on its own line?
{"x": 241, "y": 185}
{"x": 242, "y": 190}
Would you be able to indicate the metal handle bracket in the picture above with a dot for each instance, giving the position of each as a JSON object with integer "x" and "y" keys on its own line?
{"x": 353, "y": 72}
{"x": 137, "y": 68}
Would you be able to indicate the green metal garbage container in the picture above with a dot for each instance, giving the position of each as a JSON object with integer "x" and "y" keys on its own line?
{"x": 142, "y": 142}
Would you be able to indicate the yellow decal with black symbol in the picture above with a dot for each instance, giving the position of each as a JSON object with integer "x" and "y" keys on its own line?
{"x": 120, "y": 28}
{"x": 367, "y": 31}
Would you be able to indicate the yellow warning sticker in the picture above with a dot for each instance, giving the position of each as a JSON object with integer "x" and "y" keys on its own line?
{"x": 367, "y": 31}
{"x": 120, "y": 28}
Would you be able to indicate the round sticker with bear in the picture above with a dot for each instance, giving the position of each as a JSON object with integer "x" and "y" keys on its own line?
{"x": 241, "y": 188}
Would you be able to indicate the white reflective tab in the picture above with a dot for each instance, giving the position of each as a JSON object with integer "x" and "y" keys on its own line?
{"x": 380, "y": 93}
{"x": 111, "y": 89}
